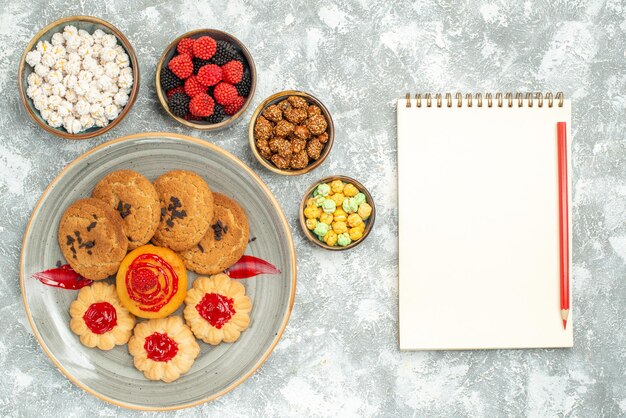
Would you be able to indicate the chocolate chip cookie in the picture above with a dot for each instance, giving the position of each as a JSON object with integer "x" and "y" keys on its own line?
{"x": 134, "y": 197}
{"x": 225, "y": 242}
{"x": 186, "y": 209}
{"x": 92, "y": 238}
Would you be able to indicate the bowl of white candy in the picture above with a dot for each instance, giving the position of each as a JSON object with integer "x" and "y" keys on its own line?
{"x": 78, "y": 77}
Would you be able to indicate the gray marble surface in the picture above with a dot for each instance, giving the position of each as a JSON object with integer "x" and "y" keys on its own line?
{"x": 339, "y": 354}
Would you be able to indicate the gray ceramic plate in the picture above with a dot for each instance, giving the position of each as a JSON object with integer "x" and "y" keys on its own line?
{"x": 111, "y": 375}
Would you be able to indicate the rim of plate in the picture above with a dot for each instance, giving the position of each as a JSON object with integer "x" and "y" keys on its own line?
{"x": 292, "y": 254}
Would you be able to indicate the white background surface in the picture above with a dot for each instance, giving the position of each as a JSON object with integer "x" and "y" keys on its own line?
{"x": 339, "y": 354}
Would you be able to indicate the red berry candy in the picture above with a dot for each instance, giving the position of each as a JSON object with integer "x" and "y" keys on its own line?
{"x": 189, "y": 116}
{"x": 233, "y": 71}
{"x": 225, "y": 93}
{"x": 235, "y": 105}
{"x": 201, "y": 105}
{"x": 210, "y": 74}
{"x": 185, "y": 46}
{"x": 204, "y": 47}
{"x": 181, "y": 66}
{"x": 193, "y": 87}
{"x": 171, "y": 92}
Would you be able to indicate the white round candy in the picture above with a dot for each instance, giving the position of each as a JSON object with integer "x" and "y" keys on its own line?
{"x": 87, "y": 121}
{"x": 107, "y": 54}
{"x": 58, "y": 51}
{"x": 40, "y": 102}
{"x": 120, "y": 98}
{"x": 65, "y": 108}
{"x": 45, "y": 113}
{"x": 86, "y": 40}
{"x": 104, "y": 83}
{"x": 69, "y": 31}
{"x": 89, "y": 63}
{"x": 85, "y": 51}
{"x": 111, "y": 111}
{"x": 93, "y": 95}
{"x": 73, "y": 57}
{"x": 54, "y": 102}
{"x": 54, "y": 77}
{"x": 33, "y": 58}
{"x": 111, "y": 69}
{"x": 33, "y": 91}
{"x": 72, "y": 67}
{"x": 70, "y": 81}
{"x": 46, "y": 88}
{"x": 85, "y": 75}
{"x": 34, "y": 79}
{"x": 43, "y": 47}
{"x": 82, "y": 107}
{"x": 41, "y": 70}
{"x": 109, "y": 41}
{"x": 72, "y": 125}
{"x": 127, "y": 71}
{"x": 125, "y": 81}
{"x": 73, "y": 42}
{"x": 60, "y": 64}
{"x": 106, "y": 101}
{"x": 101, "y": 122}
{"x": 48, "y": 60}
{"x": 98, "y": 71}
{"x": 59, "y": 89}
{"x": 82, "y": 87}
{"x": 71, "y": 96}
{"x": 97, "y": 111}
{"x": 96, "y": 50}
{"x": 54, "y": 120}
{"x": 98, "y": 34}
{"x": 57, "y": 39}
{"x": 122, "y": 60}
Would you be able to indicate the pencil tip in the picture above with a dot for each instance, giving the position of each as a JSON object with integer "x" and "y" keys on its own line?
{"x": 564, "y": 323}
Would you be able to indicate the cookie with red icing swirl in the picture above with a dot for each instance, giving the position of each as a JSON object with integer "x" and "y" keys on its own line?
{"x": 152, "y": 281}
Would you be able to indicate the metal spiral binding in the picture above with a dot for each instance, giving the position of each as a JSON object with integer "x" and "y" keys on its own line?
{"x": 471, "y": 100}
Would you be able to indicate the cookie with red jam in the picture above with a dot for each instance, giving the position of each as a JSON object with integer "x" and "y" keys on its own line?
{"x": 163, "y": 349}
{"x": 217, "y": 309}
{"x": 99, "y": 319}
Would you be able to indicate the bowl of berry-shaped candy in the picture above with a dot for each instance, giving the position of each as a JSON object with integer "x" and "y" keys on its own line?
{"x": 337, "y": 213}
{"x": 206, "y": 79}
{"x": 78, "y": 77}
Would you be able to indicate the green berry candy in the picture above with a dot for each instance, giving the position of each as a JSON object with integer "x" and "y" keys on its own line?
{"x": 321, "y": 229}
{"x": 349, "y": 205}
{"x": 329, "y": 206}
{"x": 323, "y": 189}
{"x": 359, "y": 198}
{"x": 343, "y": 239}
{"x": 319, "y": 200}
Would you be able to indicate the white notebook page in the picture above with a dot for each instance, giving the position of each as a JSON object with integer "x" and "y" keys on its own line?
{"x": 479, "y": 227}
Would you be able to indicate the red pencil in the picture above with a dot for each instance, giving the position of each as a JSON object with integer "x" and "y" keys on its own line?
{"x": 563, "y": 220}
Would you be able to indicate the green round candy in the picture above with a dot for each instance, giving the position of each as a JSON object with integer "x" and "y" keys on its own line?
{"x": 329, "y": 206}
{"x": 323, "y": 189}
{"x": 343, "y": 239}
{"x": 350, "y": 205}
{"x": 321, "y": 229}
{"x": 319, "y": 200}
{"x": 359, "y": 198}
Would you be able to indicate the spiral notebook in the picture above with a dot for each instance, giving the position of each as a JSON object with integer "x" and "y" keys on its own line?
{"x": 479, "y": 221}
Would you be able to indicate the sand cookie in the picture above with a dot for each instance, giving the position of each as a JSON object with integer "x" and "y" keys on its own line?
{"x": 224, "y": 243}
{"x": 163, "y": 349}
{"x": 133, "y": 196}
{"x": 217, "y": 309}
{"x": 92, "y": 239}
{"x": 186, "y": 209}
{"x": 99, "y": 319}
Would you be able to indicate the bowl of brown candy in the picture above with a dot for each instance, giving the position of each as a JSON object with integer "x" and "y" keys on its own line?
{"x": 291, "y": 133}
